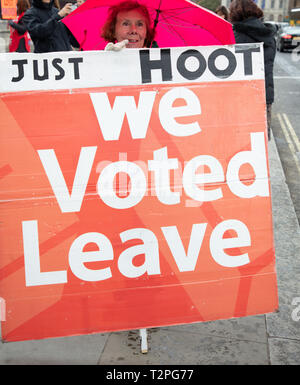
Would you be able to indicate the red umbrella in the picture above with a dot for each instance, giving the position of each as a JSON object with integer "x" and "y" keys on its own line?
{"x": 178, "y": 23}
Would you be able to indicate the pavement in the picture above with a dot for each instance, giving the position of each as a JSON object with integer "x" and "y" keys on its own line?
{"x": 269, "y": 339}
{"x": 4, "y": 36}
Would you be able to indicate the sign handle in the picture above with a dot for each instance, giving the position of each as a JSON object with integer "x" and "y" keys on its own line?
{"x": 144, "y": 343}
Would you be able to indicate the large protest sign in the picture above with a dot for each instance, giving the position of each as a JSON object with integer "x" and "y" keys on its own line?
{"x": 134, "y": 190}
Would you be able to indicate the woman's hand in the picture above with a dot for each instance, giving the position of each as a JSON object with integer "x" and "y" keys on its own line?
{"x": 65, "y": 10}
{"x": 117, "y": 46}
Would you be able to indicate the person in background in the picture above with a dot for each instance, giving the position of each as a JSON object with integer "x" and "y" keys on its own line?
{"x": 19, "y": 37}
{"x": 248, "y": 27}
{"x": 222, "y": 11}
{"x": 128, "y": 25}
{"x": 46, "y": 31}
{"x": 79, "y": 2}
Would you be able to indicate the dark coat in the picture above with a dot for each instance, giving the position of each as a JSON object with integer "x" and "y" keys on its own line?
{"x": 46, "y": 30}
{"x": 253, "y": 30}
{"x": 18, "y": 41}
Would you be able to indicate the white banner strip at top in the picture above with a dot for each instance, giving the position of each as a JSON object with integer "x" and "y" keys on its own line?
{"x": 74, "y": 69}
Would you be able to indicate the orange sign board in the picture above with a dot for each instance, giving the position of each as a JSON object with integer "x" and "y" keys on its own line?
{"x": 134, "y": 206}
{"x": 8, "y": 9}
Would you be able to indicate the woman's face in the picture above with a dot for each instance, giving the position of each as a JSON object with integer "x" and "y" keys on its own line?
{"x": 131, "y": 25}
{"x": 221, "y": 14}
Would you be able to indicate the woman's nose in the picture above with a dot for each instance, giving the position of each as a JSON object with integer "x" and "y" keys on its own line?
{"x": 133, "y": 28}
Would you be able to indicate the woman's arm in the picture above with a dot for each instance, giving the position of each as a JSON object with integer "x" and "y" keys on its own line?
{"x": 19, "y": 27}
{"x": 40, "y": 30}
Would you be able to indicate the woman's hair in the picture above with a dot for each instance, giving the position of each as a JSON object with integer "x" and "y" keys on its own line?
{"x": 22, "y": 6}
{"x": 56, "y": 4}
{"x": 243, "y": 9}
{"x": 222, "y": 9}
{"x": 108, "y": 30}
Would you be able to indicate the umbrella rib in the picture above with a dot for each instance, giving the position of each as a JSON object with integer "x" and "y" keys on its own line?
{"x": 172, "y": 31}
{"x": 172, "y": 9}
{"x": 192, "y": 26}
{"x": 195, "y": 26}
{"x": 172, "y": 12}
{"x": 158, "y": 11}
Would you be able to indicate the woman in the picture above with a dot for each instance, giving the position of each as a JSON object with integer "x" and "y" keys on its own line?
{"x": 222, "y": 12}
{"x": 19, "y": 37}
{"x": 248, "y": 27}
{"x": 46, "y": 31}
{"x": 128, "y": 24}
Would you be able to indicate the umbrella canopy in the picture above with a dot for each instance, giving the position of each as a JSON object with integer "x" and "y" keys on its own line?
{"x": 179, "y": 23}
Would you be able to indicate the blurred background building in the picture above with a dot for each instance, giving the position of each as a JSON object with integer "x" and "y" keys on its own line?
{"x": 276, "y": 10}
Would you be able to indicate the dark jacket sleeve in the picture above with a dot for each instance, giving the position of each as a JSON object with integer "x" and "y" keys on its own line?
{"x": 242, "y": 38}
{"x": 74, "y": 43}
{"x": 36, "y": 28}
{"x": 269, "y": 57}
{"x": 19, "y": 27}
